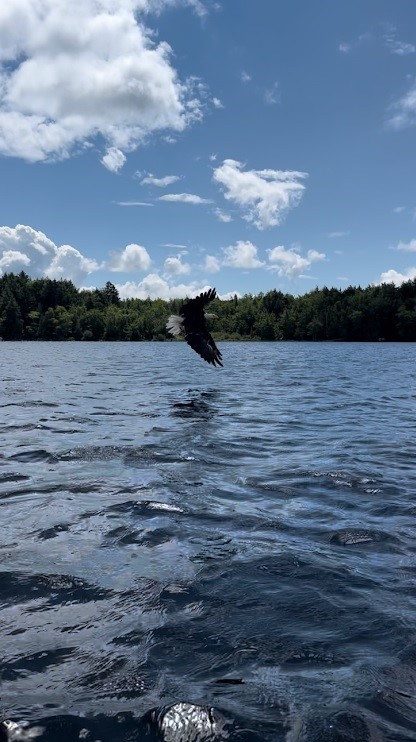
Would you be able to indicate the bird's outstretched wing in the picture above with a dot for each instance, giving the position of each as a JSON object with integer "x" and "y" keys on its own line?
{"x": 195, "y": 307}
{"x": 195, "y": 327}
{"x": 203, "y": 343}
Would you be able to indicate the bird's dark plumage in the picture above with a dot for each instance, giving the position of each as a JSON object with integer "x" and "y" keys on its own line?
{"x": 193, "y": 324}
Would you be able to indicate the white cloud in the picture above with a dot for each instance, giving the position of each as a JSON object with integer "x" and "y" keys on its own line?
{"x": 75, "y": 69}
{"x": 265, "y": 195}
{"x": 405, "y": 110}
{"x": 133, "y": 203}
{"x": 407, "y": 246}
{"x": 344, "y": 48}
{"x": 175, "y": 245}
{"x": 217, "y": 103}
{"x": 11, "y": 260}
{"x": 245, "y": 77}
{"x": 213, "y": 157}
{"x": 400, "y": 48}
{"x": 334, "y": 235}
{"x": 159, "y": 182}
{"x": 242, "y": 255}
{"x": 229, "y": 295}
{"x": 184, "y": 198}
{"x": 393, "y": 276}
{"x": 222, "y": 216}
{"x": 272, "y": 95}
{"x": 314, "y": 255}
{"x": 175, "y": 267}
{"x": 290, "y": 263}
{"x": 212, "y": 264}
{"x": 114, "y": 159}
{"x": 197, "y": 6}
{"x": 132, "y": 258}
{"x": 156, "y": 287}
{"x": 25, "y": 247}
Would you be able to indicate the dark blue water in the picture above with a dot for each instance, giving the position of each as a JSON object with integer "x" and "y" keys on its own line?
{"x": 167, "y": 527}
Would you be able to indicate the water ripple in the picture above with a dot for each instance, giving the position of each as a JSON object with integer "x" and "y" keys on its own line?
{"x": 196, "y": 555}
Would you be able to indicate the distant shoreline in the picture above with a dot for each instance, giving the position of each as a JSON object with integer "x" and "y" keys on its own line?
{"x": 50, "y": 310}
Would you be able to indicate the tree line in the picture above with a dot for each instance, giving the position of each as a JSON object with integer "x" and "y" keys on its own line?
{"x": 45, "y": 309}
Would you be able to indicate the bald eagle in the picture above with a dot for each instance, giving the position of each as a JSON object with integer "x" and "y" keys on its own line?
{"x": 192, "y": 323}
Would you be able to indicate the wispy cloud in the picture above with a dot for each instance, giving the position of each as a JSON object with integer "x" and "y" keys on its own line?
{"x": 133, "y": 203}
{"x": 265, "y": 196}
{"x": 174, "y": 245}
{"x": 184, "y": 198}
{"x": 404, "y": 110}
{"x": 335, "y": 235}
{"x": 344, "y": 48}
{"x": 272, "y": 95}
{"x": 245, "y": 77}
{"x": 399, "y": 209}
{"x": 159, "y": 182}
{"x": 395, "y": 45}
{"x": 217, "y": 103}
{"x": 222, "y": 216}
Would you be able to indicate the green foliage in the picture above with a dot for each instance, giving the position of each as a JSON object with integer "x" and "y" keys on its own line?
{"x": 43, "y": 309}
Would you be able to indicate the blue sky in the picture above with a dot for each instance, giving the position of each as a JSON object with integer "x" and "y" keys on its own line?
{"x": 171, "y": 145}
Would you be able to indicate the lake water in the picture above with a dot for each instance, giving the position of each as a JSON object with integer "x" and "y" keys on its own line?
{"x": 167, "y": 527}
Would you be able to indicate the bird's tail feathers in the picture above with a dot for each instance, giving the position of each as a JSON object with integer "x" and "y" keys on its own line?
{"x": 174, "y": 325}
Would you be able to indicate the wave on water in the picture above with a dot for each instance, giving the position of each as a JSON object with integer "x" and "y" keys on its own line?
{"x": 198, "y": 554}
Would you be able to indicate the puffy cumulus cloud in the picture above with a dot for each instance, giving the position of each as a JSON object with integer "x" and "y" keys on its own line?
{"x": 404, "y": 110}
{"x": 114, "y": 159}
{"x": 184, "y": 198}
{"x": 290, "y": 263}
{"x": 407, "y": 246}
{"x": 265, "y": 195}
{"x": 393, "y": 276}
{"x": 175, "y": 267}
{"x": 242, "y": 255}
{"x": 212, "y": 264}
{"x": 159, "y": 182}
{"x": 69, "y": 263}
{"x": 12, "y": 260}
{"x": 23, "y": 247}
{"x": 74, "y": 69}
{"x": 132, "y": 258}
{"x": 154, "y": 286}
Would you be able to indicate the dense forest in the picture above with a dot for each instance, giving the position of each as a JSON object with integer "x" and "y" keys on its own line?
{"x": 45, "y": 309}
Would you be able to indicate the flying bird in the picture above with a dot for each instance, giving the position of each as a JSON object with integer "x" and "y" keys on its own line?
{"x": 192, "y": 323}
